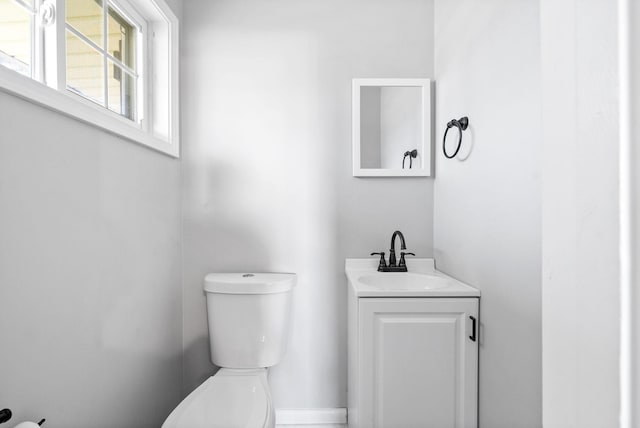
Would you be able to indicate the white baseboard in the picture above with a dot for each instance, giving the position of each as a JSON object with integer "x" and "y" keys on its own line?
{"x": 310, "y": 418}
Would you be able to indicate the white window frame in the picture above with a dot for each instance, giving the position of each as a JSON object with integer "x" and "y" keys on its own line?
{"x": 158, "y": 87}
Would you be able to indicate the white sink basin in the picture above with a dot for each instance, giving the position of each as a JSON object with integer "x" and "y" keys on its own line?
{"x": 422, "y": 280}
{"x": 404, "y": 281}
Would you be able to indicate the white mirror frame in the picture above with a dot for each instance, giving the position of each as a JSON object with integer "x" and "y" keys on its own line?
{"x": 425, "y": 149}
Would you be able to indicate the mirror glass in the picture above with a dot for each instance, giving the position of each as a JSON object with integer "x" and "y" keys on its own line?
{"x": 391, "y": 127}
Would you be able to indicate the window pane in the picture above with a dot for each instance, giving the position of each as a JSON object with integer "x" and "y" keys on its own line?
{"x": 121, "y": 38}
{"x": 15, "y": 37}
{"x": 86, "y": 17}
{"x": 122, "y": 91}
{"x": 85, "y": 69}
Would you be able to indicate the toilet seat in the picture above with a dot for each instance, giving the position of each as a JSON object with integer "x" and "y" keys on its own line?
{"x": 233, "y": 398}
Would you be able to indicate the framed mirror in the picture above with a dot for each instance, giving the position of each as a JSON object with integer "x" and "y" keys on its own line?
{"x": 391, "y": 127}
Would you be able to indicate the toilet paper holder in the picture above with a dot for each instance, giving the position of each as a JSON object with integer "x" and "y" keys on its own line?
{"x": 5, "y": 415}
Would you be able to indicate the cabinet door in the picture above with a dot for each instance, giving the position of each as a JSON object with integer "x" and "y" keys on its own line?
{"x": 418, "y": 362}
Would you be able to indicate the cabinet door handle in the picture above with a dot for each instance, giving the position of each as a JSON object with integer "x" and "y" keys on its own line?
{"x": 473, "y": 328}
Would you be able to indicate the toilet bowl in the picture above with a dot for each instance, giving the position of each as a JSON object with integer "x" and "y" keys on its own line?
{"x": 248, "y": 318}
{"x": 230, "y": 399}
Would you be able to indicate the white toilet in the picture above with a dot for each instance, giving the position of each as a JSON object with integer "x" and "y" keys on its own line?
{"x": 248, "y": 324}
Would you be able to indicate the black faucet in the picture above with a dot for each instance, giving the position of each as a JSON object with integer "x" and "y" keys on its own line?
{"x": 393, "y": 267}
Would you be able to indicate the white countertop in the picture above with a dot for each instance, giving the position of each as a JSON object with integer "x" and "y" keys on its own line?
{"x": 432, "y": 283}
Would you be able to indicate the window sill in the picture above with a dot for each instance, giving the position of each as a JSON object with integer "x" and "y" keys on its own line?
{"x": 83, "y": 110}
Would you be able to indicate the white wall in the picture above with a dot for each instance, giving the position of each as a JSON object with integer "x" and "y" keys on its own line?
{"x": 630, "y": 108}
{"x": 580, "y": 214}
{"x": 90, "y": 296}
{"x": 487, "y": 228}
{"x": 90, "y": 315}
{"x": 267, "y": 153}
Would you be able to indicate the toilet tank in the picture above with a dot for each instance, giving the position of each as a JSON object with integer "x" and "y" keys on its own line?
{"x": 249, "y": 317}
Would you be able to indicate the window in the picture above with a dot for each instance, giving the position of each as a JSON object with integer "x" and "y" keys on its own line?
{"x": 112, "y": 63}
{"x": 102, "y": 55}
{"x": 17, "y": 25}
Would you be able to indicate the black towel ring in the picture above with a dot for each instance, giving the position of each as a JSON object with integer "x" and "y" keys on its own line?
{"x": 461, "y": 124}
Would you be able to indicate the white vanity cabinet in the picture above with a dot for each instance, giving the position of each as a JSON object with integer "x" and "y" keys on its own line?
{"x": 413, "y": 358}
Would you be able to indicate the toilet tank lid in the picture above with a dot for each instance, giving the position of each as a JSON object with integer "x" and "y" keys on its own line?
{"x": 249, "y": 283}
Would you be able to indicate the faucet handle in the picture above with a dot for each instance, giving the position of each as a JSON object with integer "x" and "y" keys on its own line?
{"x": 382, "y": 263}
{"x": 402, "y": 262}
